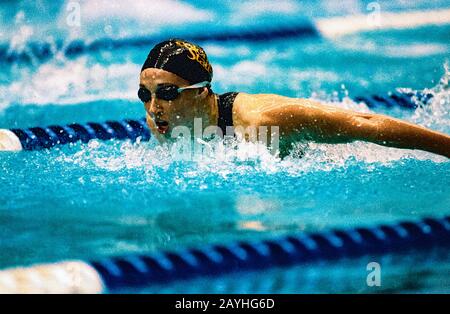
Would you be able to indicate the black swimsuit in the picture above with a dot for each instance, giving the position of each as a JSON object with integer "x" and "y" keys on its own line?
{"x": 225, "y": 104}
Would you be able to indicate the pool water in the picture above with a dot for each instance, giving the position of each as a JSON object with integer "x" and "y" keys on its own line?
{"x": 87, "y": 201}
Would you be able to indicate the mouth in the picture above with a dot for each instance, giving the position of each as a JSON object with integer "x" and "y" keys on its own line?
{"x": 162, "y": 126}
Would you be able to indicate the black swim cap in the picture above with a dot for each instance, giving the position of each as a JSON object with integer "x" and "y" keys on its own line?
{"x": 187, "y": 60}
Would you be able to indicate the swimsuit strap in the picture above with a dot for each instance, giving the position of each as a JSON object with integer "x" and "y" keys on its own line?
{"x": 225, "y": 104}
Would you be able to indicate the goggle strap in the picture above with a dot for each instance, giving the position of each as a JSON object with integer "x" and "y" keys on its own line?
{"x": 197, "y": 85}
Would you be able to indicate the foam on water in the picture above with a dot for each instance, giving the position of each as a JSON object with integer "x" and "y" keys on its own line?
{"x": 71, "y": 82}
{"x": 436, "y": 115}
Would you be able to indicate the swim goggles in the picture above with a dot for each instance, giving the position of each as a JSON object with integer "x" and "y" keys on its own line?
{"x": 167, "y": 92}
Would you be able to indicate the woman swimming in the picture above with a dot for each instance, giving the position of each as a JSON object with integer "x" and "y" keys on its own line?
{"x": 175, "y": 89}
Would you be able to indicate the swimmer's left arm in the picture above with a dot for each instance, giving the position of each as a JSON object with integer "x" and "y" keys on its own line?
{"x": 328, "y": 124}
{"x": 388, "y": 131}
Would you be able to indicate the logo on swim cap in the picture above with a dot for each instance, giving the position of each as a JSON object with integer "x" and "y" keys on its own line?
{"x": 187, "y": 60}
{"x": 196, "y": 53}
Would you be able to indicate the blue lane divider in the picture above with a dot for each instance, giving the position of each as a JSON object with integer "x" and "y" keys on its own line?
{"x": 396, "y": 99}
{"x": 44, "y": 51}
{"x": 47, "y": 137}
{"x": 215, "y": 260}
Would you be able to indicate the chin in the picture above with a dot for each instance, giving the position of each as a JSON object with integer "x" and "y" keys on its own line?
{"x": 161, "y": 138}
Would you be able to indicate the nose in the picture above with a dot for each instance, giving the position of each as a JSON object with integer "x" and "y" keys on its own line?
{"x": 154, "y": 108}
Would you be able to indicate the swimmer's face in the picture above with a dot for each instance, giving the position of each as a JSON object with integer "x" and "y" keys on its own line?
{"x": 164, "y": 115}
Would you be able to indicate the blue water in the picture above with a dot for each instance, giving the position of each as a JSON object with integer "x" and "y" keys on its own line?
{"x": 110, "y": 198}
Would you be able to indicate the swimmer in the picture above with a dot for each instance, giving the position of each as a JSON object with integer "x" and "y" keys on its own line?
{"x": 175, "y": 87}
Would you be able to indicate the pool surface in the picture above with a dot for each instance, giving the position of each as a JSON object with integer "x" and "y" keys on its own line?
{"x": 88, "y": 201}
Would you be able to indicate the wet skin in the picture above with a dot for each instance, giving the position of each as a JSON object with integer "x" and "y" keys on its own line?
{"x": 299, "y": 120}
{"x": 302, "y": 120}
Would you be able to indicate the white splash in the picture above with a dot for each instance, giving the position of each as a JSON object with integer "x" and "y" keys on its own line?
{"x": 146, "y": 17}
{"x": 71, "y": 82}
{"x": 22, "y": 34}
{"x": 243, "y": 11}
{"x": 397, "y": 50}
{"x": 158, "y": 165}
{"x": 436, "y": 115}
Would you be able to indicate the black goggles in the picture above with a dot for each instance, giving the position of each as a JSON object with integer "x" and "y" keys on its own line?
{"x": 167, "y": 92}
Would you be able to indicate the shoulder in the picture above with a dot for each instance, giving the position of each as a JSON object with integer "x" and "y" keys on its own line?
{"x": 272, "y": 101}
{"x": 246, "y": 109}
{"x": 264, "y": 108}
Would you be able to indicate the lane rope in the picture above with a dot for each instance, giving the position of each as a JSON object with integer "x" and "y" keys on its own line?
{"x": 140, "y": 270}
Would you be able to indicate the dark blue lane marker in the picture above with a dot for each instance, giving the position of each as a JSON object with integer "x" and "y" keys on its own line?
{"x": 44, "y": 51}
{"x": 141, "y": 270}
